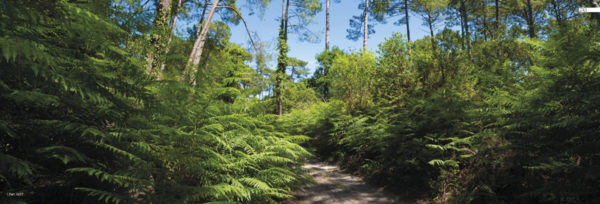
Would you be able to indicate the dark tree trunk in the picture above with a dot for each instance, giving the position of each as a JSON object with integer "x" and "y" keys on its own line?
{"x": 461, "y": 10}
{"x": 430, "y": 24}
{"x": 497, "y": 5}
{"x": 530, "y": 20}
{"x": 292, "y": 74}
{"x": 484, "y": 18}
{"x": 366, "y": 29}
{"x": 557, "y": 12}
{"x": 327, "y": 25}
{"x": 465, "y": 18}
{"x": 407, "y": 21}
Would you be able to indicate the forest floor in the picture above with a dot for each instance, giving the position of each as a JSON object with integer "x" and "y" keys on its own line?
{"x": 334, "y": 186}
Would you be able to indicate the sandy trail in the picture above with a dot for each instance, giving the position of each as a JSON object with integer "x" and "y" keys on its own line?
{"x": 335, "y": 186}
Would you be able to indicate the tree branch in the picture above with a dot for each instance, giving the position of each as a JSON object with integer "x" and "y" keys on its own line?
{"x": 144, "y": 4}
{"x": 245, "y": 25}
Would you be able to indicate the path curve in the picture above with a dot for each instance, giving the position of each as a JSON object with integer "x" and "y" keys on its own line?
{"x": 333, "y": 186}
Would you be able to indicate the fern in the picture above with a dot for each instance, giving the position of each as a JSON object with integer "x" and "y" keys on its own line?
{"x": 15, "y": 167}
{"x": 444, "y": 163}
{"x": 120, "y": 180}
{"x": 107, "y": 197}
{"x": 63, "y": 153}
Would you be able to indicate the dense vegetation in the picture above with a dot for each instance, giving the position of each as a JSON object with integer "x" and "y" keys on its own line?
{"x": 82, "y": 122}
{"x": 100, "y": 103}
{"x": 492, "y": 116}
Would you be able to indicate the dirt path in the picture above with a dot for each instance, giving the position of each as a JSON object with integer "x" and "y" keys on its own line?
{"x": 334, "y": 186}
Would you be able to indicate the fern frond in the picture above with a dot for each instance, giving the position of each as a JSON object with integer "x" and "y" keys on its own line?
{"x": 15, "y": 166}
{"x": 443, "y": 163}
{"x": 255, "y": 183}
{"x": 63, "y": 153}
{"x": 124, "y": 181}
{"x": 118, "y": 151}
{"x": 107, "y": 197}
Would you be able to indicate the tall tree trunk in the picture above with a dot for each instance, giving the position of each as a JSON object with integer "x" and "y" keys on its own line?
{"x": 287, "y": 8}
{"x": 430, "y": 24}
{"x": 173, "y": 23}
{"x": 366, "y": 31}
{"x": 497, "y": 5}
{"x": 530, "y": 20}
{"x": 465, "y": 18}
{"x": 461, "y": 9}
{"x": 434, "y": 47}
{"x": 485, "y": 26}
{"x": 292, "y": 74}
{"x": 282, "y": 59}
{"x": 194, "y": 58}
{"x": 199, "y": 28}
{"x": 557, "y": 13}
{"x": 327, "y": 25}
{"x": 285, "y": 38}
{"x": 157, "y": 38}
{"x": 407, "y": 21}
{"x": 326, "y": 68}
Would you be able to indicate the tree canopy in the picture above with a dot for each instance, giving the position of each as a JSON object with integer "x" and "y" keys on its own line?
{"x": 500, "y": 103}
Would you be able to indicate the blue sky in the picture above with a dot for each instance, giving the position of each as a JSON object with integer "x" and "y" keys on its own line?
{"x": 340, "y": 14}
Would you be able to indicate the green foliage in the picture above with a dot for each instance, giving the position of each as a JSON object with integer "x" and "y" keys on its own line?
{"x": 298, "y": 96}
{"x": 82, "y": 122}
{"x": 483, "y": 115}
{"x": 353, "y": 79}
{"x": 552, "y": 131}
{"x": 319, "y": 81}
{"x": 463, "y": 120}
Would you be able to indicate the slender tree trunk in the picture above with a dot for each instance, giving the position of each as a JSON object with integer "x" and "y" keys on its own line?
{"x": 461, "y": 9}
{"x": 366, "y": 31}
{"x": 292, "y": 74}
{"x": 465, "y": 18}
{"x": 173, "y": 23}
{"x": 187, "y": 72}
{"x": 285, "y": 38}
{"x": 485, "y": 26}
{"x": 530, "y": 20}
{"x": 497, "y": 5}
{"x": 557, "y": 13}
{"x": 327, "y": 25}
{"x": 199, "y": 28}
{"x": 282, "y": 59}
{"x": 407, "y": 20}
{"x": 201, "y": 39}
{"x": 157, "y": 38}
{"x": 326, "y": 68}
{"x": 287, "y": 8}
{"x": 194, "y": 58}
{"x": 434, "y": 47}
{"x": 430, "y": 24}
